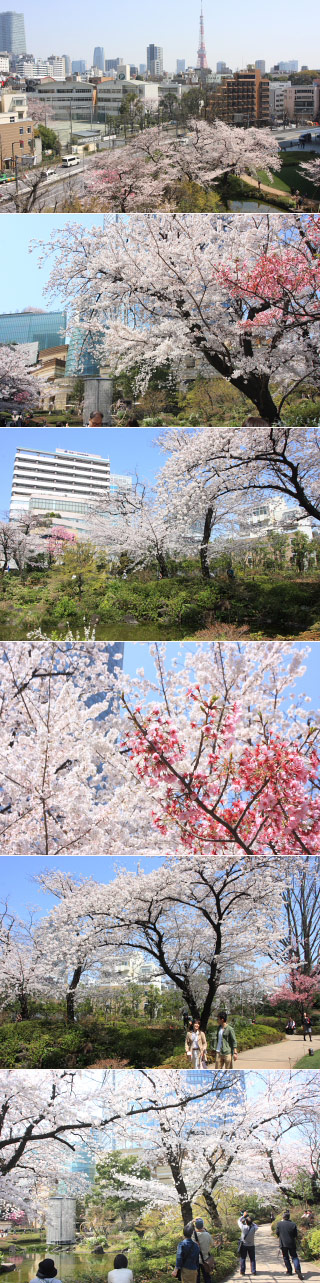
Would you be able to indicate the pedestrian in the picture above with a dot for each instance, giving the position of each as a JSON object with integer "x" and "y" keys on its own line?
{"x": 248, "y": 1229}
{"x": 120, "y": 1272}
{"x": 46, "y": 1271}
{"x": 287, "y": 1232}
{"x": 291, "y": 1026}
{"x": 205, "y": 1241}
{"x": 196, "y": 1046}
{"x": 188, "y": 1257}
{"x": 307, "y": 1027}
{"x": 224, "y": 1043}
{"x": 96, "y": 420}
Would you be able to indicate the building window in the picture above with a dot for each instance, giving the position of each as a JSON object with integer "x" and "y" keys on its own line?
{"x": 21, "y": 131}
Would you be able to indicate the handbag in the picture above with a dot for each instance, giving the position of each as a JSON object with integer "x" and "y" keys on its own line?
{"x": 209, "y": 1265}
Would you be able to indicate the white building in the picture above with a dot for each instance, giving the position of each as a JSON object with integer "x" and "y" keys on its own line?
{"x": 273, "y": 515}
{"x": 111, "y": 94}
{"x": 66, "y": 483}
{"x": 13, "y": 105}
{"x": 133, "y": 969}
{"x": 4, "y": 64}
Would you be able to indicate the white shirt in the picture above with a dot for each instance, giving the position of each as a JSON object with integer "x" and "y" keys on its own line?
{"x": 205, "y": 1241}
{"x": 120, "y": 1276}
{"x": 220, "y": 1038}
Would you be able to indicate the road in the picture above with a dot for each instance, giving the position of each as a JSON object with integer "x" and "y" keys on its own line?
{"x": 277, "y": 1055}
{"x": 270, "y": 1264}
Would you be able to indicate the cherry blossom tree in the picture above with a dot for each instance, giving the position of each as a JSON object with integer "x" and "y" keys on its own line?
{"x": 17, "y": 383}
{"x": 207, "y": 465}
{"x": 240, "y": 293}
{"x": 140, "y": 526}
{"x": 151, "y": 170}
{"x": 24, "y": 962}
{"x": 312, "y": 170}
{"x": 299, "y": 989}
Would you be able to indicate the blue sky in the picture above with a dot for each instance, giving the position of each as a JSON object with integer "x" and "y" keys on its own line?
{"x": 22, "y": 280}
{"x": 236, "y": 33}
{"x": 129, "y": 450}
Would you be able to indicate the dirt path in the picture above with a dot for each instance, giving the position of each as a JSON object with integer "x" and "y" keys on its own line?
{"x": 278, "y": 1055}
{"x": 263, "y": 187}
{"x": 270, "y": 1265}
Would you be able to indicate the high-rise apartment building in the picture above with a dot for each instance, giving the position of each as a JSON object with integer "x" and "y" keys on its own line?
{"x": 112, "y": 64}
{"x": 12, "y": 33}
{"x": 154, "y": 60}
{"x": 66, "y": 482}
{"x": 98, "y": 57}
{"x": 242, "y": 99}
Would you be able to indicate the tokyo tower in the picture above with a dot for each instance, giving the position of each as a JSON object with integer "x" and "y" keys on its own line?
{"x": 202, "y": 56}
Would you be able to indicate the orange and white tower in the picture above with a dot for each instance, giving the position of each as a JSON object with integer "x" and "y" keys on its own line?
{"x": 202, "y": 55}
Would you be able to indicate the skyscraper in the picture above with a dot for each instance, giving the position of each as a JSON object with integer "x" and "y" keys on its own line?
{"x": 12, "y": 33}
{"x": 260, "y": 65}
{"x": 202, "y": 54}
{"x": 98, "y": 57}
{"x": 155, "y": 60}
{"x": 181, "y": 65}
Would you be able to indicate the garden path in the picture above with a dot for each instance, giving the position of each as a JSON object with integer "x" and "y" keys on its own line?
{"x": 270, "y": 1266}
{"x": 278, "y": 1055}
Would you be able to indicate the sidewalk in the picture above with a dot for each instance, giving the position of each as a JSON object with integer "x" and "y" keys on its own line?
{"x": 263, "y": 187}
{"x": 277, "y": 1055}
{"x": 270, "y": 1263}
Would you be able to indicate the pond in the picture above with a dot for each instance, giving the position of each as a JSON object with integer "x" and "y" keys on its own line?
{"x": 249, "y": 206}
{"x": 71, "y": 1265}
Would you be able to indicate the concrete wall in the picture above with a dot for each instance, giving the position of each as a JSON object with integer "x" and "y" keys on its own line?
{"x": 61, "y": 1219}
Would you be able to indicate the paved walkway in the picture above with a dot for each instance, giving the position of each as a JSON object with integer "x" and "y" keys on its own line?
{"x": 270, "y": 1265}
{"x": 278, "y": 1055}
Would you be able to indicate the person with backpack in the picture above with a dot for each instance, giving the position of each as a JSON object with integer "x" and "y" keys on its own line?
{"x": 188, "y": 1257}
{"x": 205, "y": 1241}
{"x": 248, "y": 1229}
{"x": 287, "y": 1232}
{"x": 224, "y": 1043}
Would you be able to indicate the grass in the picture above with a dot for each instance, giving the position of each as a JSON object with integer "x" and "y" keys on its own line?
{"x": 39, "y": 1044}
{"x": 309, "y": 1062}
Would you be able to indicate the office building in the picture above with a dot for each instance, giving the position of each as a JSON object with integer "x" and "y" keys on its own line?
{"x": 180, "y": 66}
{"x": 48, "y": 329}
{"x": 79, "y": 67}
{"x": 286, "y": 66}
{"x": 142, "y": 68}
{"x": 66, "y": 482}
{"x": 223, "y": 70}
{"x": 154, "y": 60}
{"x": 98, "y": 57}
{"x": 12, "y": 33}
{"x": 112, "y": 64}
{"x": 260, "y": 65}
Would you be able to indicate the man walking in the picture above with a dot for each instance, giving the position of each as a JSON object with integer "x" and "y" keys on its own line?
{"x": 205, "y": 1241}
{"x": 287, "y": 1234}
{"x": 247, "y": 1247}
{"x": 188, "y": 1256}
{"x": 224, "y": 1043}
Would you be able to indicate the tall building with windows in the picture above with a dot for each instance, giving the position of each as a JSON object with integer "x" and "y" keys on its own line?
{"x": 66, "y": 483}
{"x": 12, "y": 33}
{"x": 154, "y": 60}
{"x": 48, "y": 329}
{"x": 98, "y": 57}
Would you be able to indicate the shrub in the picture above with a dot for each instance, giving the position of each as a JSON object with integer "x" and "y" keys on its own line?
{"x": 311, "y": 1245}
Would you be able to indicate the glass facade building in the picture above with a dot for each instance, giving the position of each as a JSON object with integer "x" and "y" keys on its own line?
{"x": 12, "y": 33}
{"x": 48, "y": 329}
{"x": 85, "y": 354}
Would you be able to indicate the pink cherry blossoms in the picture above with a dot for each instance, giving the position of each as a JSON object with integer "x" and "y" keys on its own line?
{"x": 261, "y": 800}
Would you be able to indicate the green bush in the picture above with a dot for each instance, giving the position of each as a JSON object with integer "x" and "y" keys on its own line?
{"x": 311, "y": 1245}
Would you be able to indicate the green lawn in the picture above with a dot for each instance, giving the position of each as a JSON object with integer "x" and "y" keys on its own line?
{"x": 309, "y": 1062}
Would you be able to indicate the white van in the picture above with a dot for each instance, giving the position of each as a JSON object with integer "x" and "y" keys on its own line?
{"x": 68, "y": 161}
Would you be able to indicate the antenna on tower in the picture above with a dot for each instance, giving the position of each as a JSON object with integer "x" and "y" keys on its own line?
{"x": 202, "y": 53}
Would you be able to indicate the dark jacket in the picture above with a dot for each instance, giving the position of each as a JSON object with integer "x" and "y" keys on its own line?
{"x": 287, "y": 1233}
{"x": 188, "y": 1254}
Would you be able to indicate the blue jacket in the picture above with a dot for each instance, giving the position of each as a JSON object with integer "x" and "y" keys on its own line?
{"x": 188, "y": 1253}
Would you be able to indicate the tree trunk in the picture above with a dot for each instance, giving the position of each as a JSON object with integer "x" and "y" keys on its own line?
{"x": 205, "y": 568}
{"x": 185, "y": 1205}
{"x": 23, "y": 1004}
{"x": 71, "y": 992}
{"x": 211, "y": 1208}
{"x": 162, "y": 566}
